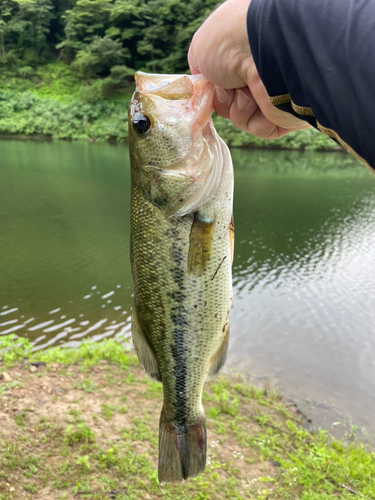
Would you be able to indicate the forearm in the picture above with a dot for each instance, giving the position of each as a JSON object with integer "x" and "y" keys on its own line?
{"x": 316, "y": 60}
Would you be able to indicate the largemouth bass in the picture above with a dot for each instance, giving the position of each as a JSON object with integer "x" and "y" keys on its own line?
{"x": 181, "y": 255}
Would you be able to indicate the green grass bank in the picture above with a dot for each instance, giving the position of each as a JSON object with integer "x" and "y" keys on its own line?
{"x": 52, "y": 102}
{"x": 83, "y": 423}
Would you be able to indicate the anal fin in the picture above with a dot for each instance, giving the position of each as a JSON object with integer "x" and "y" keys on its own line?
{"x": 218, "y": 360}
{"x": 144, "y": 352}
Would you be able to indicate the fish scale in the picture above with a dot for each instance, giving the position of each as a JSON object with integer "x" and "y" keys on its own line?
{"x": 181, "y": 267}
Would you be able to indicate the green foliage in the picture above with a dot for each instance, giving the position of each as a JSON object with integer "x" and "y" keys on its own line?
{"x": 98, "y": 45}
{"x": 86, "y": 20}
{"x": 13, "y": 348}
{"x": 96, "y": 35}
{"x": 89, "y": 353}
{"x": 26, "y": 113}
{"x": 153, "y": 34}
{"x": 84, "y": 463}
{"x": 56, "y": 103}
{"x": 24, "y": 26}
{"x": 262, "y": 452}
{"x": 99, "y": 57}
{"x": 86, "y": 385}
{"x": 108, "y": 458}
{"x": 108, "y": 411}
{"x": 226, "y": 403}
{"x": 317, "y": 463}
{"x": 79, "y": 433}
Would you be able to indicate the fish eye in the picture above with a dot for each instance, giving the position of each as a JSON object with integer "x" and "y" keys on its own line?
{"x": 141, "y": 123}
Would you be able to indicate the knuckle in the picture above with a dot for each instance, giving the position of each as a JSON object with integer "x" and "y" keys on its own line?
{"x": 260, "y": 127}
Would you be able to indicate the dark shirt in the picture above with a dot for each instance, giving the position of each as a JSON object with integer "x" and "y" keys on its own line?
{"x": 316, "y": 59}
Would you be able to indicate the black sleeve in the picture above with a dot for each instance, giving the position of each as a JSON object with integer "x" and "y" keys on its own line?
{"x": 316, "y": 59}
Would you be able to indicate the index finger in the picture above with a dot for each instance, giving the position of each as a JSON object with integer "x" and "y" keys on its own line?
{"x": 192, "y": 64}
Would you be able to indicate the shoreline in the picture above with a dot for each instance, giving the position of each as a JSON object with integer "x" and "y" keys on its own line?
{"x": 84, "y": 421}
{"x": 50, "y": 138}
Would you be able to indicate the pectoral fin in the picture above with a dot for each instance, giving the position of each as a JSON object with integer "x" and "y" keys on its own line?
{"x": 144, "y": 352}
{"x": 218, "y": 360}
{"x": 201, "y": 237}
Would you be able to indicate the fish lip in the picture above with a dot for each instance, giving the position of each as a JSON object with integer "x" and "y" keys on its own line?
{"x": 198, "y": 93}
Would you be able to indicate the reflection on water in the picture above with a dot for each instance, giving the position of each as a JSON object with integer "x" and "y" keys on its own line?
{"x": 48, "y": 328}
{"x": 304, "y": 279}
{"x": 64, "y": 243}
{"x": 304, "y": 275}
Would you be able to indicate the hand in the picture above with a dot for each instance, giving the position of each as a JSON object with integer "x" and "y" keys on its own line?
{"x": 220, "y": 51}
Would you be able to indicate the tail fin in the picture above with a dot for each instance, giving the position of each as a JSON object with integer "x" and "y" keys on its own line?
{"x": 182, "y": 450}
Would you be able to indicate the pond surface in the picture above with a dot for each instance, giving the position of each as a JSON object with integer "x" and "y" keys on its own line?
{"x": 304, "y": 270}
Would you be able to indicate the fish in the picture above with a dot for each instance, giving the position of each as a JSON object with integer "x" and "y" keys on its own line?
{"x": 181, "y": 250}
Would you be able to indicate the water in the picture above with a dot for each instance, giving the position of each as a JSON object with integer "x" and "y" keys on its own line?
{"x": 304, "y": 272}
{"x": 64, "y": 241}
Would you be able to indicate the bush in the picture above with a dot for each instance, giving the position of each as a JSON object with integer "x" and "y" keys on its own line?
{"x": 26, "y": 113}
{"x": 53, "y": 101}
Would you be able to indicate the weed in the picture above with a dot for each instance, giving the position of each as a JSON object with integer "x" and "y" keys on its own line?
{"x": 65, "y": 468}
{"x": 154, "y": 389}
{"x": 84, "y": 463}
{"x": 109, "y": 458}
{"x": 257, "y": 426}
{"x": 213, "y": 412}
{"x": 109, "y": 482}
{"x": 19, "y": 418}
{"x": 108, "y": 411}
{"x": 75, "y": 413}
{"x": 13, "y": 348}
{"x": 79, "y": 433}
{"x": 86, "y": 385}
{"x": 130, "y": 379}
{"x": 226, "y": 403}
{"x": 30, "y": 488}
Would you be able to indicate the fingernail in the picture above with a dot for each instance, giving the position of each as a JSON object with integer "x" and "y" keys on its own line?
{"x": 221, "y": 95}
{"x": 241, "y": 99}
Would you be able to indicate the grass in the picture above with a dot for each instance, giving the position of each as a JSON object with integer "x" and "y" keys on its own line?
{"x": 84, "y": 443}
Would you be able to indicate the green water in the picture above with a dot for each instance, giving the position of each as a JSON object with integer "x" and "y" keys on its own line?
{"x": 303, "y": 275}
{"x": 64, "y": 242}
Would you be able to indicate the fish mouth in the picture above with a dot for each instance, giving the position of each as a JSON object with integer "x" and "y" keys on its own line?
{"x": 195, "y": 89}
{"x": 203, "y": 163}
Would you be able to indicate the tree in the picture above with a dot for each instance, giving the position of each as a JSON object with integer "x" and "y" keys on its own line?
{"x": 98, "y": 35}
{"x": 6, "y": 9}
{"x": 100, "y": 56}
{"x": 87, "y": 19}
{"x": 24, "y": 25}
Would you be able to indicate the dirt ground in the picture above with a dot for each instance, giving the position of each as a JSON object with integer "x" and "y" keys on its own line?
{"x": 73, "y": 431}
